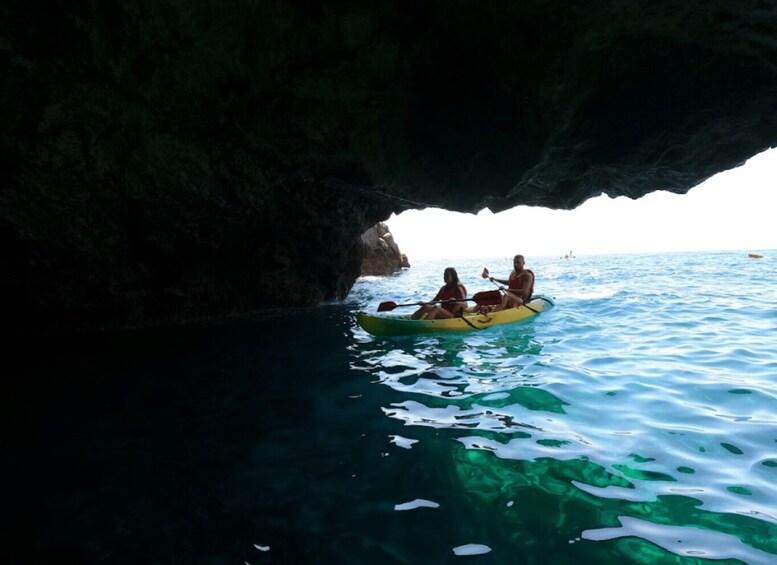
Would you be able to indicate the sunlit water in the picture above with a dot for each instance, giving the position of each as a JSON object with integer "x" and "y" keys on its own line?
{"x": 635, "y": 422}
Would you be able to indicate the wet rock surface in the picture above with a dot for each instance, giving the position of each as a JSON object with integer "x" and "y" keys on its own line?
{"x": 381, "y": 255}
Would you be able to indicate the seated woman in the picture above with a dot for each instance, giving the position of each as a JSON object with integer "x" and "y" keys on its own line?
{"x": 451, "y": 290}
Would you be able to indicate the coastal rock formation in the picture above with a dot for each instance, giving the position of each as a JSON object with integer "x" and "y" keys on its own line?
{"x": 381, "y": 253}
{"x": 163, "y": 161}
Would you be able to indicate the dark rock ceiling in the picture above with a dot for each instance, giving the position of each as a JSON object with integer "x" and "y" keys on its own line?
{"x": 175, "y": 160}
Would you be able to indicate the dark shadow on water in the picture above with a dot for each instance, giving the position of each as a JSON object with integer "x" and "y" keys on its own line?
{"x": 184, "y": 446}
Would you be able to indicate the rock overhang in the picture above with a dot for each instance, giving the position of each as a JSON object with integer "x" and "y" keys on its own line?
{"x": 167, "y": 162}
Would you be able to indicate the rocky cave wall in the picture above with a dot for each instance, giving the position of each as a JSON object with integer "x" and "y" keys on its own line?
{"x": 165, "y": 161}
{"x": 380, "y": 253}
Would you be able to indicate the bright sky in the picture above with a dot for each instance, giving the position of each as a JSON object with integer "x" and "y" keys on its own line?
{"x": 733, "y": 210}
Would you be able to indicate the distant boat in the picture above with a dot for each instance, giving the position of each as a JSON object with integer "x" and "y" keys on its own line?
{"x": 755, "y": 256}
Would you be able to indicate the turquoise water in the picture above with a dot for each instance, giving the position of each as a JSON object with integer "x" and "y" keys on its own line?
{"x": 635, "y": 422}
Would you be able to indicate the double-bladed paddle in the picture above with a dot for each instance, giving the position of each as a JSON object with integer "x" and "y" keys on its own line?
{"x": 484, "y": 298}
{"x": 503, "y": 289}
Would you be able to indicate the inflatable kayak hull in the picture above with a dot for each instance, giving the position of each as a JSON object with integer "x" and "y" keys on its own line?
{"x": 403, "y": 325}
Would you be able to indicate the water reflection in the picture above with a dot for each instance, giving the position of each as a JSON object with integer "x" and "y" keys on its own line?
{"x": 522, "y": 433}
{"x": 684, "y": 541}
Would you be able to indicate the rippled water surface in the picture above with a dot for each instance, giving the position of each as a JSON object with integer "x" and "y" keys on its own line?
{"x": 635, "y": 422}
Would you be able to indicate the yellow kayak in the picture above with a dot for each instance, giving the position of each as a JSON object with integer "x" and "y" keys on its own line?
{"x": 403, "y": 325}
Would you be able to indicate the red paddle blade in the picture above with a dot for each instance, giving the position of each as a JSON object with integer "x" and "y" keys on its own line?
{"x": 487, "y": 298}
{"x": 386, "y": 306}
